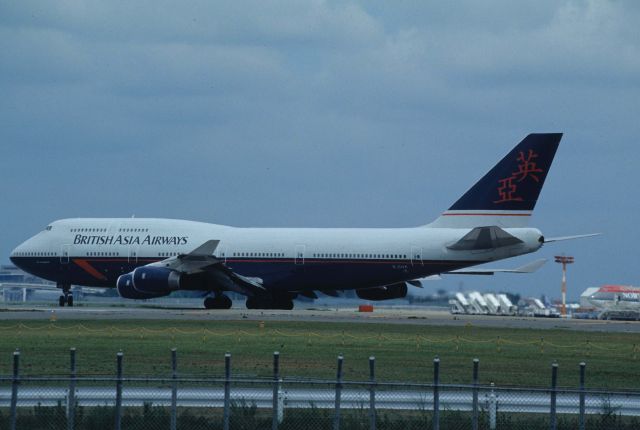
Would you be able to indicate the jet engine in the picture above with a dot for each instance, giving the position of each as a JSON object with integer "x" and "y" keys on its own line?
{"x": 127, "y": 291}
{"x": 154, "y": 280}
{"x": 388, "y": 292}
{"x": 148, "y": 282}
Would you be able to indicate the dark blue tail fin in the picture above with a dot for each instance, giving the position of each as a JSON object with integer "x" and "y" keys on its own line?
{"x": 511, "y": 188}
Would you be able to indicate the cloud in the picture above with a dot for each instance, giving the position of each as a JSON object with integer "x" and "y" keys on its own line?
{"x": 318, "y": 113}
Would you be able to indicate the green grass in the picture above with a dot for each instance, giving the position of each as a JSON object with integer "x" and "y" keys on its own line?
{"x": 249, "y": 417}
{"x": 403, "y": 352}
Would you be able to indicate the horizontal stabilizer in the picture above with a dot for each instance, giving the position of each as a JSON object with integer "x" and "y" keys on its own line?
{"x": 527, "y": 268}
{"x": 561, "y": 238}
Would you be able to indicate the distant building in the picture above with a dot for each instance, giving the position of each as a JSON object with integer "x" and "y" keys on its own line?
{"x": 10, "y": 274}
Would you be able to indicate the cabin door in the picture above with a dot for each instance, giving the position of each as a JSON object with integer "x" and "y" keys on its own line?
{"x": 416, "y": 256}
{"x": 64, "y": 253}
{"x": 299, "y": 256}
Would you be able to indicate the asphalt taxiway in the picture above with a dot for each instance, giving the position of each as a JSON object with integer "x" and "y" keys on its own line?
{"x": 382, "y": 315}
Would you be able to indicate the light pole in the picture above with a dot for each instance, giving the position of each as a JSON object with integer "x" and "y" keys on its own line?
{"x": 564, "y": 260}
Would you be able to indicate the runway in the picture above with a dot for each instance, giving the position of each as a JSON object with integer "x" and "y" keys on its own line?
{"x": 381, "y": 315}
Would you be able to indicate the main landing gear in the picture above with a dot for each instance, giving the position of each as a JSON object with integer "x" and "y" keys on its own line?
{"x": 66, "y": 297}
{"x": 220, "y": 301}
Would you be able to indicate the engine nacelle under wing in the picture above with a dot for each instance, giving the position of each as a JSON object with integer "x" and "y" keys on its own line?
{"x": 388, "y": 292}
{"x": 155, "y": 280}
{"x": 127, "y": 291}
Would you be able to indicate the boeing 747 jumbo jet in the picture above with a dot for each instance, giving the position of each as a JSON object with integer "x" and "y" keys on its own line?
{"x": 147, "y": 258}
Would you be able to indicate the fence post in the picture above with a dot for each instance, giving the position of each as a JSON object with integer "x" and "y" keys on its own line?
{"x": 227, "y": 391}
{"x": 71, "y": 398}
{"x": 436, "y": 393}
{"x": 474, "y": 416}
{"x": 554, "y": 384}
{"x": 174, "y": 388}
{"x": 336, "y": 416}
{"x": 372, "y": 393}
{"x": 276, "y": 417}
{"x": 14, "y": 388}
{"x": 582, "y": 375}
{"x": 118, "y": 417}
{"x": 493, "y": 408}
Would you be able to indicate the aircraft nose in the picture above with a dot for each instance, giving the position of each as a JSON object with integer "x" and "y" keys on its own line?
{"x": 15, "y": 255}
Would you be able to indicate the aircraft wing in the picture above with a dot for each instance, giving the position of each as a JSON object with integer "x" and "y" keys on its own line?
{"x": 195, "y": 261}
{"x": 203, "y": 259}
{"x": 527, "y": 268}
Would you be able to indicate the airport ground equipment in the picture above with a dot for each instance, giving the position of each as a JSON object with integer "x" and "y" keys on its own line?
{"x": 460, "y": 304}
{"x": 492, "y": 304}
{"x": 477, "y": 303}
{"x": 455, "y": 307}
{"x": 507, "y": 307}
{"x": 533, "y": 307}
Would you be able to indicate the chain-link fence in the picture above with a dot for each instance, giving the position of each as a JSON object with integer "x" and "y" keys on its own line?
{"x": 232, "y": 402}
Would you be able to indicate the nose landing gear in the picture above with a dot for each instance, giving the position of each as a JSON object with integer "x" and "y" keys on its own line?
{"x": 66, "y": 298}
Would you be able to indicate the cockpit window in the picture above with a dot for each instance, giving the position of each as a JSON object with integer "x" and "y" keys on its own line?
{"x": 48, "y": 228}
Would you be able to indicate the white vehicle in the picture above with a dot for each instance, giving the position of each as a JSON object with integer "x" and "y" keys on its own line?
{"x": 147, "y": 258}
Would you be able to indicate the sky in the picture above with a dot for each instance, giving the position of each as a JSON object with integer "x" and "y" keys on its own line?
{"x": 323, "y": 114}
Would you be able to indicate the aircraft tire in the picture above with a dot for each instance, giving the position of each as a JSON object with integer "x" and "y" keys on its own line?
{"x": 70, "y": 300}
{"x": 61, "y": 301}
{"x": 209, "y": 303}
{"x": 220, "y": 302}
{"x": 251, "y": 303}
{"x": 286, "y": 305}
{"x": 225, "y": 302}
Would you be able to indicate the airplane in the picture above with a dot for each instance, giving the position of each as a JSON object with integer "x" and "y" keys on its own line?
{"x": 147, "y": 258}
{"x": 616, "y": 298}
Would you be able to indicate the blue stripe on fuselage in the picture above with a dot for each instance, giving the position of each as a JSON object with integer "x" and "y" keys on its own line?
{"x": 276, "y": 273}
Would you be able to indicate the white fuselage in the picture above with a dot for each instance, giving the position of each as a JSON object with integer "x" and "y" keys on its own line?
{"x": 95, "y": 251}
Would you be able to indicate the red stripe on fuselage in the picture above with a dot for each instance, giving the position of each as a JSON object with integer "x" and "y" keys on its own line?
{"x": 90, "y": 269}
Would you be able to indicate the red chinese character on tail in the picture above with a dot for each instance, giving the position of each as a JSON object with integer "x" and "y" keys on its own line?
{"x": 527, "y": 168}
{"x": 506, "y": 190}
